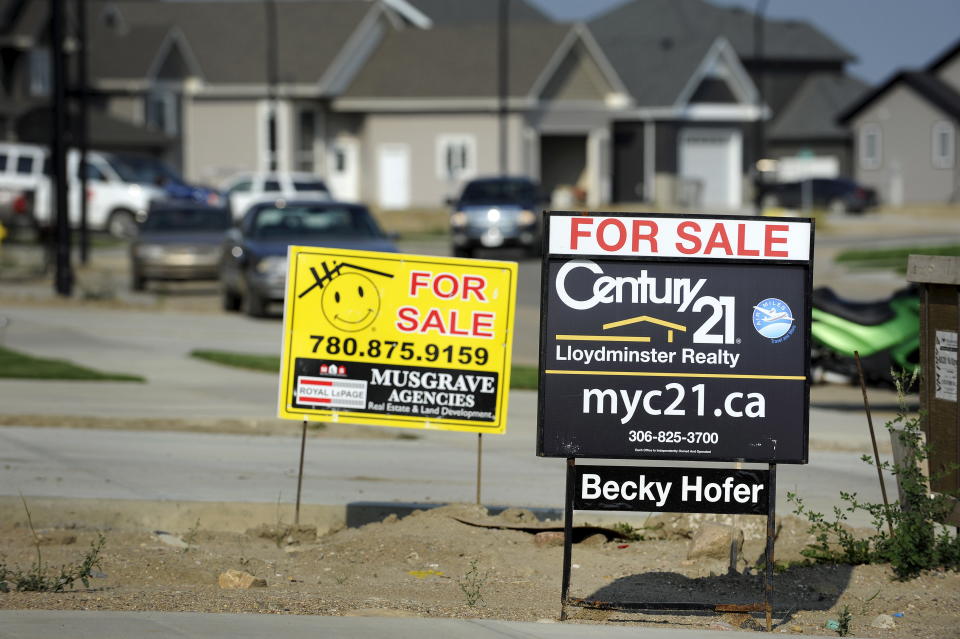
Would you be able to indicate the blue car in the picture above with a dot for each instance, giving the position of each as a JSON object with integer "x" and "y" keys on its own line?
{"x": 253, "y": 259}
{"x": 143, "y": 169}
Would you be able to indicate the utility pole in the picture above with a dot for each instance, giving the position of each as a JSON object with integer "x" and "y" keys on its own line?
{"x": 759, "y": 132}
{"x": 83, "y": 142}
{"x": 273, "y": 137}
{"x": 503, "y": 69}
{"x": 63, "y": 281}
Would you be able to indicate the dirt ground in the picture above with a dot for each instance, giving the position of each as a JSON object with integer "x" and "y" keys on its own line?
{"x": 432, "y": 564}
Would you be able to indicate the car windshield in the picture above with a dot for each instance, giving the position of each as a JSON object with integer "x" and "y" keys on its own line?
{"x": 143, "y": 170}
{"x": 187, "y": 220}
{"x": 312, "y": 221}
{"x": 499, "y": 191}
{"x": 309, "y": 185}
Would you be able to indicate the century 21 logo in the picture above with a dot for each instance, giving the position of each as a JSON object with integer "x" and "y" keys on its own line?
{"x": 644, "y": 289}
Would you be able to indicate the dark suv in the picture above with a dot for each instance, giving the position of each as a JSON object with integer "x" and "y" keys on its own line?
{"x": 496, "y": 212}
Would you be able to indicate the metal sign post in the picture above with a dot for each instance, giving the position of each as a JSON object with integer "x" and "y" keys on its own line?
{"x": 479, "y": 462}
{"x": 712, "y": 490}
{"x": 303, "y": 447}
{"x": 675, "y": 337}
{"x": 387, "y": 339}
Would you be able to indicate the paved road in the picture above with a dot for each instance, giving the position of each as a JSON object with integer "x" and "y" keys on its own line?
{"x": 29, "y": 624}
{"x": 155, "y": 344}
{"x": 437, "y": 467}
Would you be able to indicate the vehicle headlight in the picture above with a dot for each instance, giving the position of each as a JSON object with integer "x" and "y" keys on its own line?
{"x": 526, "y": 217}
{"x": 458, "y": 219}
{"x": 150, "y": 251}
{"x": 275, "y": 266}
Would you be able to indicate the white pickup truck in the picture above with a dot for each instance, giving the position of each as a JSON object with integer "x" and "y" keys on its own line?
{"x": 113, "y": 205}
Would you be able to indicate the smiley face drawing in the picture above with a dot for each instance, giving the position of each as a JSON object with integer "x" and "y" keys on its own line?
{"x": 350, "y": 302}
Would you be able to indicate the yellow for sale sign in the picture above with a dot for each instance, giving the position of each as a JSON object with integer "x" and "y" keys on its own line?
{"x": 397, "y": 340}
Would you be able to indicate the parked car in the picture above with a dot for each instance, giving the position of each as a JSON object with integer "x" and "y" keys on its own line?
{"x": 178, "y": 241}
{"x": 253, "y": 263}
{"x": 113, "y": 203}
{"x": 495, "y": 212}
{"x": 838, "y": 195}
{"x": 245, "y": 189}
{"x": 147, "y": 170}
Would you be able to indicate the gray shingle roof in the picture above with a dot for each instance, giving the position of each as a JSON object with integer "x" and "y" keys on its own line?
{"x": 654, "y": 69}
{"x": 450, "y": 12}
{"x": 229, "y": 39}
{"x": 27, "y": 19}
{"x": 680, "y": 20}
{"x": 126, "y": 55}
{"x": 933, "y": 89}
{"x": 813, "y": 110}
{"x": 455, "y": 62}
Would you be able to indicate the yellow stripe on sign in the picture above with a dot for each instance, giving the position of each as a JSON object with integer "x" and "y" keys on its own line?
{"x": 601, "y": 338}
{"x": 708, "y": 375}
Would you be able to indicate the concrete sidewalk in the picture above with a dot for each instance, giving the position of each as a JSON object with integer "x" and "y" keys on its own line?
{"x": 36, "y": 624}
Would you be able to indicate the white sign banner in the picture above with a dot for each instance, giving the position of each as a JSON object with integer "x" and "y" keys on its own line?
{"x": 680, "y": 237}
{"x": 945, "y": 366}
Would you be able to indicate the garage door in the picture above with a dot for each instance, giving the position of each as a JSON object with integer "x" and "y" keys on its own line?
{"x": 710, "y": 162}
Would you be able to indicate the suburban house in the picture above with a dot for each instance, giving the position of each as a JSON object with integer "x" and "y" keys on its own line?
{"x": 395, "y": 102}
{"x": 905, "y": 134}
{"x": 694, "y": 74}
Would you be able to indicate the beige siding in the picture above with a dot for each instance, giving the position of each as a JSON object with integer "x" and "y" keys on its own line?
{"x": 420, "y": 132}
{"x": 906, "y": 169}
{"x": 577, "y": 78}
{"x": 950, "y": 73}
{"x": 220, "y": 138}
{"x": 128, "y": 108}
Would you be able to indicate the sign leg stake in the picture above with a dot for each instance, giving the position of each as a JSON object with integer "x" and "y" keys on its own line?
{"x": 567, "y": 538}
{"x": 771, "y": 533}
{"x": 873, "y": 440}
{"x": 479, "y": 463}
{"x": 303, "y": 446}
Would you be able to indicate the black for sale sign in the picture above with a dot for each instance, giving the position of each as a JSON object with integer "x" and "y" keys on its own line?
{"x": 675, "y": 337}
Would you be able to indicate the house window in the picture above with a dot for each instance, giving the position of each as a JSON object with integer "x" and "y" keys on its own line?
{"x": 943, "y": 145}
{"x": 24, "y": 165}
{"x": 871, "y": 146}
{"x": 456, "y": 157}
{"x": 162, "y": 112}
{"x": 307, "y": 129}
{"x": 40, "y": 72}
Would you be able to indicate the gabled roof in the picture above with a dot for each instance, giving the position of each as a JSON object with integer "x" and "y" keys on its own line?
{"x": 812, "y": 112}
{"x": 455, "y": 62}
{"x": 139, "y": 46}
{"x": 949, "y": 54}
{"x": 655, "y": 72}
{"x": 24, "y": 21}
{"x": 927, "y": 85}
{"x": 229, "y": 39}
{"x": 686, "y": 21}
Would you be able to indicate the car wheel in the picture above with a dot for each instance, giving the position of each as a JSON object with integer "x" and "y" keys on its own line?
{"x": 137, "y": 281}
{"x": 230, "y": 300}
{"x": 462, "y": 251}
{"x": 837, "y": 206}
{"x": 122, "y": 224}
{"x": 254, "y": 305}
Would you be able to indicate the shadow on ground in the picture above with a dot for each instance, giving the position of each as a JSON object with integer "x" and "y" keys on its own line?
{"x": 799, "y": 587}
